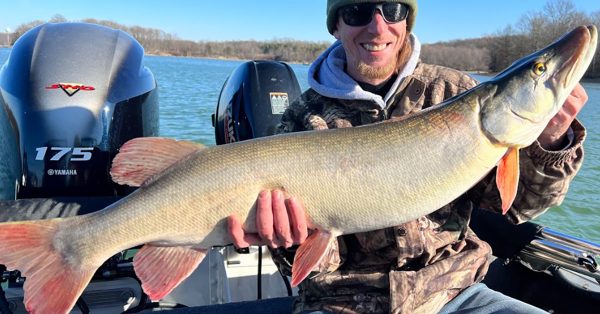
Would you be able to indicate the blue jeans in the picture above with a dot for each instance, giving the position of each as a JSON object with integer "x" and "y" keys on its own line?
{"x": 479, "y": 299}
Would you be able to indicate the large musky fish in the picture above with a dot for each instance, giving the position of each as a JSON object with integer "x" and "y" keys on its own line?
{"x": 350, "y": 180}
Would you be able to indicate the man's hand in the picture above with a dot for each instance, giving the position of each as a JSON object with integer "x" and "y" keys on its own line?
{"x": 553, "y": 137}
{"x": 280, "y": 222}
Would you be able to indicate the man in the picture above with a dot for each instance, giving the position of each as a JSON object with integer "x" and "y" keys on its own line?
{"x": 372, "y": 73}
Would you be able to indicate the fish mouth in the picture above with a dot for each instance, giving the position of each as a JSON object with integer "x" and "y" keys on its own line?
{"x": 578, "y": 48}
{"x": 522, "y": 116}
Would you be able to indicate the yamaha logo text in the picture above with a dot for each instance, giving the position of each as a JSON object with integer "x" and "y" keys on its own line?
{"x": 62, "y": 172}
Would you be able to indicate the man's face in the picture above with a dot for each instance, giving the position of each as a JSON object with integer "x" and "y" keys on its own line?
{"x": 371, "y": 50}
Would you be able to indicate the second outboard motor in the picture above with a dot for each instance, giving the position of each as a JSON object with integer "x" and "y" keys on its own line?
{"x": 253, "y": 99}
{"x": 71, "y": 95}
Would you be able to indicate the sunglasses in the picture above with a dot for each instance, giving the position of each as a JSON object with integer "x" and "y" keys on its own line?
{"x": 362, "y": 14}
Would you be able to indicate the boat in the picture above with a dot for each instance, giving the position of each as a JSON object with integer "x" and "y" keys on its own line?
{"x": 73, "y": 93}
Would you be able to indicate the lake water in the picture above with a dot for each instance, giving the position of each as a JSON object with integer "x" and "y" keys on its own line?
{"x": 189, "y": 89}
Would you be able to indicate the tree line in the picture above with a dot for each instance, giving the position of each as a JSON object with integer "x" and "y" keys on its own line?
{"x": 532, "y": 32}
{"x": 491, "y": 53}
{"x": 158, "y": 42}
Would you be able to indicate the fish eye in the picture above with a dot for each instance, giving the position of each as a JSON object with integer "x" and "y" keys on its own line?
{"x": 539, "y": 68}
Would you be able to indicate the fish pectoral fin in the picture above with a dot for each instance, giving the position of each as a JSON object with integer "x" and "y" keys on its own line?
{"x": 53, "y": 285}
{"x": 310, "y": 253}
{"x": 143, "y": 158}
{"x": 507, "y": 178}
{"x": 162, "y": 268}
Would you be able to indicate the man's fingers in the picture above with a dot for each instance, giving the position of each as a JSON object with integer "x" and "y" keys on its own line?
{"x": 575, "y": 101}
{"x": 297, "y": 216}
{"x": 234, "y": 227}
{"x": 281, "y": 221}
{"x": 241, "y": 238}
{"x": 580, "y": 93}
{"x": 554, "y": 134}
{"x": 264, "y": 217}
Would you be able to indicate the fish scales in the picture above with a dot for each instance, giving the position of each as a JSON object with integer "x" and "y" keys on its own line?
{"x": 348, "y": 179}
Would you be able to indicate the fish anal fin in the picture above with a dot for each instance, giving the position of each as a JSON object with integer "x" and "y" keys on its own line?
{"x": 507, "y": 178}
{"x": 309, "y": 254}
{"x": 52, "y": 285}
{"x": 162, "y": 268}
{"x": 142, "y": 158}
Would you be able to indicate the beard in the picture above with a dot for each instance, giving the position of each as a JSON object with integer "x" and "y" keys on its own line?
{"x": 377, "y": 72}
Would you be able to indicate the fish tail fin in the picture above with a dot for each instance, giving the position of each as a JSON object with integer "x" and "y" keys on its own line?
{"x": 52, "y": 285}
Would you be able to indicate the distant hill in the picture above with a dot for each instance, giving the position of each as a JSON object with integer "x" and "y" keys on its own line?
{"x": 466, "y": 55}
{"x": 158, "y": 42}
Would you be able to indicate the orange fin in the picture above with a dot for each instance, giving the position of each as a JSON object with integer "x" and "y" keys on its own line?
{"x": 52, "y": 285}
{"x": 162, "y": 268}
{"x": 309, "y": 255}
{"x": 507, "y": 178}
{"x": 143, "y": 158}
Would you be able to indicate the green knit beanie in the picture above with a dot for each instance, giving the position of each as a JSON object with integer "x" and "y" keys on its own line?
{"x": 334, "y": 5}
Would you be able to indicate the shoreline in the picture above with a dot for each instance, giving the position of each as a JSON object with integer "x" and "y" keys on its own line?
{"x": 222, "y": 58}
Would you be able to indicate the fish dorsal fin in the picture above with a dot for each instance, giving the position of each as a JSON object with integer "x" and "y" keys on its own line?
{"x": 142, "y": 158}
{"x": 162, "y": 268}
{"x": 507, "y": 178}
{"x": 310, "y": 253}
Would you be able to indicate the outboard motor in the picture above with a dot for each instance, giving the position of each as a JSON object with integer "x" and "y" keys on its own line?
{"x": 253, "y": 99}
{"x": 71, "y": 95}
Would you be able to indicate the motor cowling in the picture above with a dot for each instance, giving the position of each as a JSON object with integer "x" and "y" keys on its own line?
{"x": 253, "y": 99}
{"x": 71, "y": 95}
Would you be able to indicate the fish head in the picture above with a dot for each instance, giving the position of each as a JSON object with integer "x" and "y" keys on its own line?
{"x": 518, "y": 103}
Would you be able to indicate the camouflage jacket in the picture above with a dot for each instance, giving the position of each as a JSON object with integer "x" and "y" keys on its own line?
{"x": 419, "y": 266}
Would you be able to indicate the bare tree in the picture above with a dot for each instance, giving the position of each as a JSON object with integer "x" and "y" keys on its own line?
{"x": 22, "y": 29}
{"x": 461, "y": 57}
{"x": 58, "y": 18}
